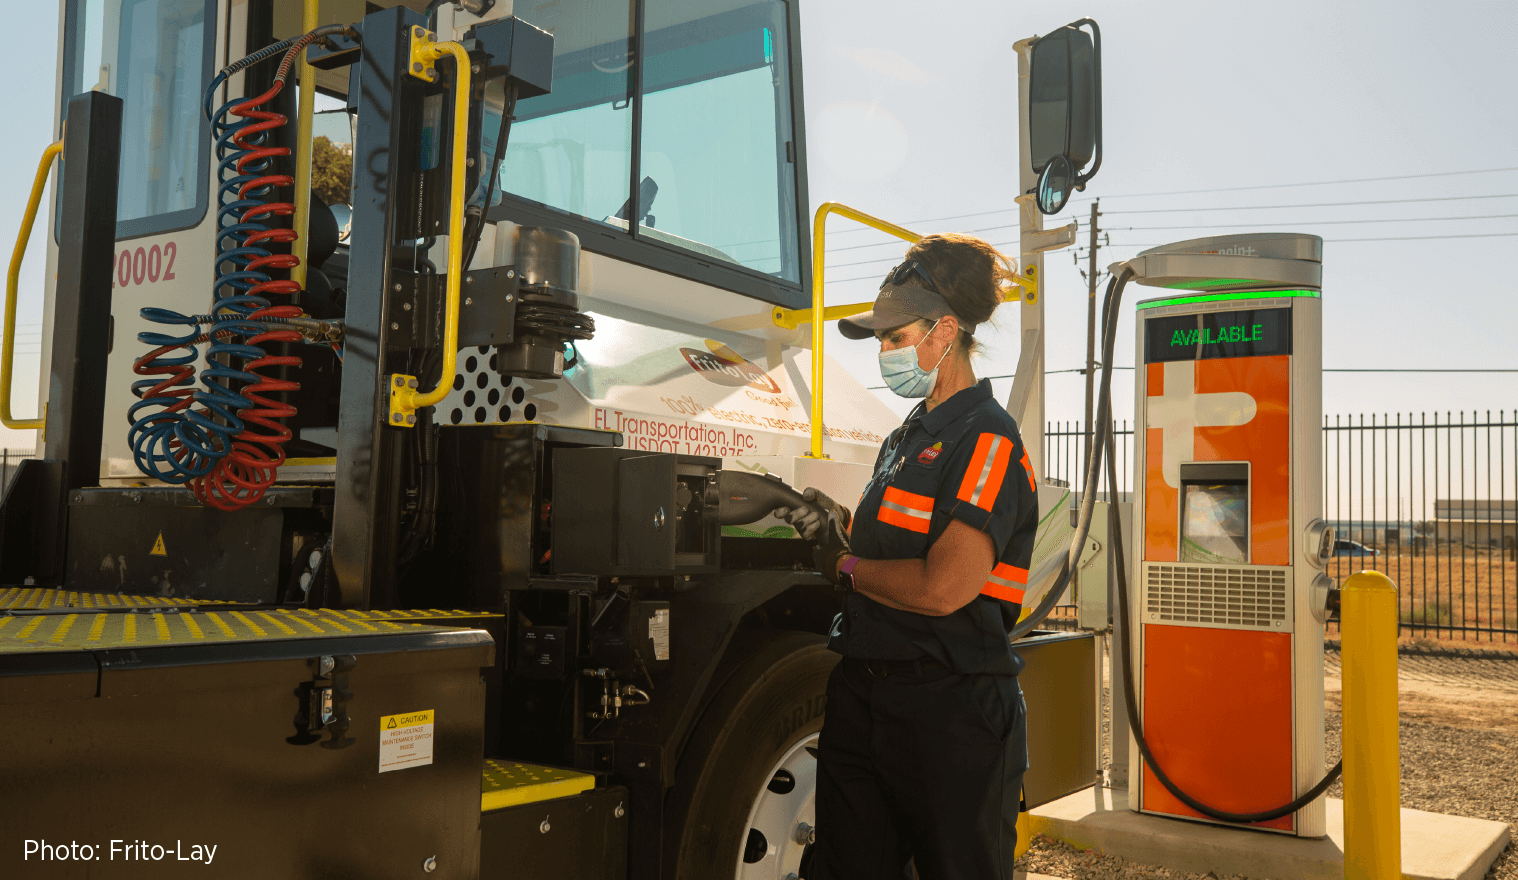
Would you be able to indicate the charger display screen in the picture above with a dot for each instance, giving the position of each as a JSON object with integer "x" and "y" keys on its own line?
{"x": 1215, "y": 522}
{"x": 1206, "y": 335}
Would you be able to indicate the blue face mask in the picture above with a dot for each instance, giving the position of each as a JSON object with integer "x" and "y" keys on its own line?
{"x": 900, "y": 370}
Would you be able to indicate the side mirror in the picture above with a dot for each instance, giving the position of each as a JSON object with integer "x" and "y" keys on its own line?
{"x": 1054, "y": 182}
{"x": 1065, "y": 102}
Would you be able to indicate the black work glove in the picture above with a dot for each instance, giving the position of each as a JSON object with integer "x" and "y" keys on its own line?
{"x": 808, "y": 522}
{"x": 829, "y": 547}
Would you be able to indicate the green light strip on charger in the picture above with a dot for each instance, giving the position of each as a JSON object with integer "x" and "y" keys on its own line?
{"x": 1219, "y": 297}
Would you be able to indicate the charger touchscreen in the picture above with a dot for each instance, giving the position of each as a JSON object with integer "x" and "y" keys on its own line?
{"x": 1215, "y": 522}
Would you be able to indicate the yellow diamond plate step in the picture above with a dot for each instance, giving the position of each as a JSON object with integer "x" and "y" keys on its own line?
{"x": 510, "y": 783}
{"x": 42, "y": 599}
{"x": 93, "y": 629}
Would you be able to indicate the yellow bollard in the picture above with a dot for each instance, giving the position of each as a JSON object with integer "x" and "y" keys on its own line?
{"x": 1024, "y": 835}
{"x": 1372, "y": 769}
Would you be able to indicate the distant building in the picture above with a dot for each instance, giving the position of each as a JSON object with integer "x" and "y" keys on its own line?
{"x": 1475, "y": 522}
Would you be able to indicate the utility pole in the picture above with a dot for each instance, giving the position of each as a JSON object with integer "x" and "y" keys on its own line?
{"x": 1091, "y": 278}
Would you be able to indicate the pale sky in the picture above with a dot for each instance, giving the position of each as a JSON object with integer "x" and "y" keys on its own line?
{"x": 911, "y": 115}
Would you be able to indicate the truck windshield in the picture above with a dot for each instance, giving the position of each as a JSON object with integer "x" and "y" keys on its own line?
{"x": 715, "y": 174}
{"x": 155, "y": 55}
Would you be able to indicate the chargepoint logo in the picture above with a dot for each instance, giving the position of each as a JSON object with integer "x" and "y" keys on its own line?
{"x": 1236, "y": 251}
{"x": 724, "y": 366}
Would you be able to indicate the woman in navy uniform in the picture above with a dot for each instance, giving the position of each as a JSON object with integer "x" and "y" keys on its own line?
{"x": 924, "y": 744}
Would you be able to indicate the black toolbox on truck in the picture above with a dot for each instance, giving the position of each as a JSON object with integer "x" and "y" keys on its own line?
{"x": 299, "y": 744}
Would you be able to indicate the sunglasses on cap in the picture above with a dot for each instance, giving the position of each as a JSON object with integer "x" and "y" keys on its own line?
{"x": 904, "y": 272}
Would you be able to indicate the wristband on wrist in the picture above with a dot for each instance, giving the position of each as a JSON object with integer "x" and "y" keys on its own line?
{"x": 846, "y": 573}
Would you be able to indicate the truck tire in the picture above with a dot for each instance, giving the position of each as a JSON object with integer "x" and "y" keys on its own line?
{"x": 747, "y": 779}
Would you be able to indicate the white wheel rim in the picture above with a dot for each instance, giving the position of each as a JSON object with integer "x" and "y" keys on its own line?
{"x": 778, "y": 814}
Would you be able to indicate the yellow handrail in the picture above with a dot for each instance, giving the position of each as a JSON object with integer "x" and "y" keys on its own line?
{"x": 790, "y": 319}
{"x": 1372, "y": 771}
{"x": 405, "y": 399}
{"x": 303, "y": 116}
{"x": 13, "y": 284}
{"x": 817, "y": 307}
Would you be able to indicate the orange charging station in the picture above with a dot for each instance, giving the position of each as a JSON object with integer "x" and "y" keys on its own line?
{"x": 1229, "y": 537}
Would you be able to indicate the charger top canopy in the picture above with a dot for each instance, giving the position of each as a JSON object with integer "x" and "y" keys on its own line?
{"x": 1251, "y": 261}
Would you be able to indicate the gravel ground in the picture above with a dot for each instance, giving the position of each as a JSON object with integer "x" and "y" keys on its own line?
{"x": 1459, "y": 742}
{"x": 1058, "y": 859}
{"x": 1458, "y": 735}
{"x": 1456, "y": 770}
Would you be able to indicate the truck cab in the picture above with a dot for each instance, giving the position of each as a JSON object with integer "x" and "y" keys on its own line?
{"x": 507, "y": 634}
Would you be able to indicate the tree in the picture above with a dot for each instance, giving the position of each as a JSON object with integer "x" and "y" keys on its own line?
{"x": 331, "y": 171}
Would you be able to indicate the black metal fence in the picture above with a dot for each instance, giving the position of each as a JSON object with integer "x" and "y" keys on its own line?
{"x": 1430, "y": 500}
{"x": 10, "y": 460}
{"x": 1065, "y": 452}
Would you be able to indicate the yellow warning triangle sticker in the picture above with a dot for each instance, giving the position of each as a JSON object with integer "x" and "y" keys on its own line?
{"x": 158, "y": 548}
{"x": 392, "y": 725}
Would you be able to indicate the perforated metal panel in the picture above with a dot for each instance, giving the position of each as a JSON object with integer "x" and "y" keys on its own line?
{"x": 1243, "y": 597}
{"x": 480, "y": 397}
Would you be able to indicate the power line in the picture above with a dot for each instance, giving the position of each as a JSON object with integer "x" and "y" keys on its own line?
{"x": 1339, "y": 240}
{"x": 1149, "y": 244}
{"x": 1307, "y": 225}
{"x": 1318, "y": 204}
{"x": 1219, "y": 189}
{"x": 1185, "y": 192}
{"x": 1329, "y": 222}
{"x": 898, "y": 242}
{"x": 1326, "y": 370}
{"x": 997, "y": 245}
{"x": 1252, "y": 208}
{"x": 1429, "y": 237}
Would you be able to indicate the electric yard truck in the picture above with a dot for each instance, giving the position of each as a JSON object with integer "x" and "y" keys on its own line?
{"x": 410, "y": 516}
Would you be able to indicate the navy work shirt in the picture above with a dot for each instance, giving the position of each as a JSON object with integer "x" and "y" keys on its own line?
{"x": 962, "y": 460}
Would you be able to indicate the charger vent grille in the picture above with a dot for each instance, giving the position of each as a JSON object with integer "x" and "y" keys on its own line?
{"x": 1245, "y": 597}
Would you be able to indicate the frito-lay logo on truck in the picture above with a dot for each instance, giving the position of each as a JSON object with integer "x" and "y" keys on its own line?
{"x": 724, "y": 366}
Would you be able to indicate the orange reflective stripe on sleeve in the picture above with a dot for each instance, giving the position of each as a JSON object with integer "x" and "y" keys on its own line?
{"x": 906, "y": 510}
{"x": 1028, "y": 467}
{"x": 1006, "y": 583}
{"x": 987, "y": 468}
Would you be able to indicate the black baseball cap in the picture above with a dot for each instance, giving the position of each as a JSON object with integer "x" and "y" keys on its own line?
{"x": 897, "y": 305}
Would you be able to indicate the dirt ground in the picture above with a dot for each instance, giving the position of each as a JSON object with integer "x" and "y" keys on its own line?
{"x": 1459, "y": 744}
{"x": 1476, "y": 588}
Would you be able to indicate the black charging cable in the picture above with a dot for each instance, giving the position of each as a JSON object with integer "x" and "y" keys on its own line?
{"x": 1051, "y": 598}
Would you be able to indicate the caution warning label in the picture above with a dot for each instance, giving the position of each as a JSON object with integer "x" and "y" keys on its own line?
{"x": 405, "y": 741}
{"x": 158, "y": 548}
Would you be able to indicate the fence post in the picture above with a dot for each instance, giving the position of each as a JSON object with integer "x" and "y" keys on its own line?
{"x": 1372, "y": 769}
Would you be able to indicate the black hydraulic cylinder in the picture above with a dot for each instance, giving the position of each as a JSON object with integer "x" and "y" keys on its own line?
{"x": 82, "y": 302}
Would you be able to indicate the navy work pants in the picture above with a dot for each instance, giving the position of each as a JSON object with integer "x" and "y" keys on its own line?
{"x": 922, "y": 765}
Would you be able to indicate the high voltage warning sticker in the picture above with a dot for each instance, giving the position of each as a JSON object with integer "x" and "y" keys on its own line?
{"x": 158, "y": 548}
{"x": 405, "y": 741}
